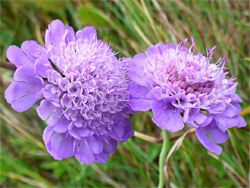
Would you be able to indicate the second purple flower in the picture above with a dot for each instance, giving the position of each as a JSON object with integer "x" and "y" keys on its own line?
{"x": 180, "y": 87}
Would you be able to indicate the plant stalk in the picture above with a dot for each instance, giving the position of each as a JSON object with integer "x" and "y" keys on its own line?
{"x": 162, "y": 158}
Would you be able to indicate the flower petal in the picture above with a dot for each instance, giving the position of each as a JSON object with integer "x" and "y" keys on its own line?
{"x": 26, "y": 74}
{"x": 109, "y": 145}
{"x": 86, "y": 33}
{"x": 42, "y": 65}
{"x": 22, "y": 95}
{"x": 95, "y": 144}
{"x": 139, "y": 104}
{"x": 232, "y": 110}
{"x": 236, "y": 98}
{"x": 155, "y": 50}
{"x": 54, "y": 33}
{"x": 218, "y": 136}
{"x": 217, "y": 108}
{"x": 102, "y": 157}
{"x": 84, "y": 153}
{"x": 32, "y": 49}
{"x": 122, "y": 130}
{"x": 69, "y": 34}
{"x": 48, "y": 110}
{"x": 136, "y": 69}
{"x": 200, "y": 118}
{"x": 16, "y": 56}
{"x": 206, "y": 142}
{"x": 47, "y": 134}
{"x": 165, "y": 117}
{"x": 62, "y": 125}
{"x": 59, "y": 145}
{"x": 128, "y": 131}
{"x": 241, "y": 122}
{"x": 231, "y": 122}
{"x": 137, "y": 90}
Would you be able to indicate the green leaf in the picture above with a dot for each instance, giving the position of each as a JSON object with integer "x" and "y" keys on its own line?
{"x": 153, "y": 151}
{"x": 88, "y": 16}
{"x": 51, "y": 5}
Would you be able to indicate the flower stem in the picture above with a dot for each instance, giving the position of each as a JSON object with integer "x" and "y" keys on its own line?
{"x": 162, "y": 158}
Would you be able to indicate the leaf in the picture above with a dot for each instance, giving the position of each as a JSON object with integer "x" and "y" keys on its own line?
{"x": 88, "y": 16}
{"x": 51, "y": 5}
{"x": 152, "y": 152}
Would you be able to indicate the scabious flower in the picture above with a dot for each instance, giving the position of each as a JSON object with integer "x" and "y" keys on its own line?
{"x": 180, "y": 87}
{"x": 83, "y": 91}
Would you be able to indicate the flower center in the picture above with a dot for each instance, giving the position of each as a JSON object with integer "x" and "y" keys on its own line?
{"x": 91, "y": 85}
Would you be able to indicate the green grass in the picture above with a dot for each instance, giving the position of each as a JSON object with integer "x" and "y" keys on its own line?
{"x": 132, "y": 26}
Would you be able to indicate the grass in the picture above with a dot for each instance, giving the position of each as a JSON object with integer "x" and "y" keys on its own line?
{"x": 132, "y": 26}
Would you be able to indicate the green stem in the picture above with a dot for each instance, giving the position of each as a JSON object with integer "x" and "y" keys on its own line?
{"x": 163, "y": 158}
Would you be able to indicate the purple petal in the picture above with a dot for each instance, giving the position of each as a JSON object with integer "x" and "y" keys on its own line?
{"x": 155, "y": 94}
{"x": 10, "y": 92}
{"x": 170, "y": 47}
{"x": 139, "y": 104}
{"x": 166, "y": 117}
{"x": 74, "y": 131}
{"x": 42, "y": 65}
{"x": 102, "y": 157}
{"x": 59, "y": 146}
{"x": 62, "y": 125}
{"x": 84, "y": 153}
{"x": 231, "y": 122}
{"x": 109, "y": 145}
{"x": 16, "y": 56}
{"x": 86, "y": 33}
{"x": 122, "y": 130}
{"x": 136, "y": 69}
{"x": 54, "y": 33}
{"x": 187, "y": 115}
{"x": 140, "y": 59}
{"x": 66, "y": 148}
{"x": 191, "y": 122}
{"x": 195, "y": 118}
{"x": 69, "y": 34}
{"x": 153, "y": 51}
{"x": 83, "y": 132}
{"x": 217, "y": 136}
{"x": 66, "y": 101}
{"x": 128, "y": 110}
{"x": 127, "y": 130}
{"x": 45, "y": 109}
{"x": 241, "y": 122}
{"x": 136, "y": 90}
{"x": 32, "y": 48}
{"x": 208, "y": 121}
{"x": 219, "y": 119}
{"x": 200, "y": 118}
{"x": 236, "y": 98}
{"x": 27, "y": 74}
{"x": 206, "y": 142}
{"x": 217, "y": 108}
{"x": 117, "y": 132}
{"x": 78, "y": 133}
{"x": 232, "y": 110}
{"x": 22, "y": 95}
{"x": 47, "y": 134}
{"x": 48, "y": 110}
{"x": 95, "y": 144}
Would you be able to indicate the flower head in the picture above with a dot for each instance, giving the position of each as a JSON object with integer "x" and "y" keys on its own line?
{"x": 83, "y": 90}
{"x": 180, "y": 87}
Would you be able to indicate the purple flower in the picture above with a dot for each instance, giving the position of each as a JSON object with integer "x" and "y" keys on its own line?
{"x": 83, "y": 91}
{"x": 182, "y": 87}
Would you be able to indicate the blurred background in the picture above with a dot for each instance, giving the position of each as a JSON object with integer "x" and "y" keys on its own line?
{"x": 132, "y": 26}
